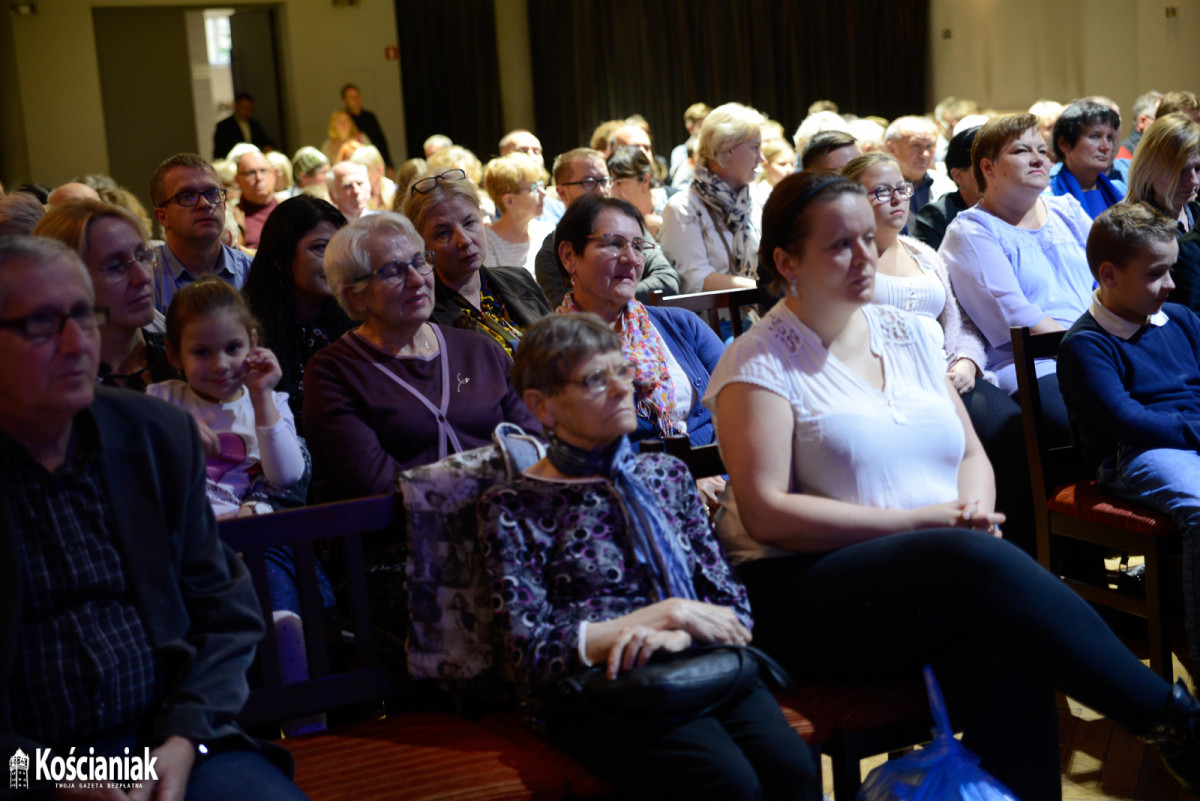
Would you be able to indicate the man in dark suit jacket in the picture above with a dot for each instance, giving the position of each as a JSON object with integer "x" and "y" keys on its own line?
{"x": 240, "y": 127}
{"x": 366, "y": 122}
{"x": 126, "y": 625}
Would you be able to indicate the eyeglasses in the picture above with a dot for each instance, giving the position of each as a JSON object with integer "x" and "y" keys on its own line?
{"x": 616, "y": 244}
{"x": 190, "y": 197}
{"x": 396, "y": 272}
{"x": 883, "y": 192}
{"x": 533, "y": 188}
{"x": 118, "y": 269}
{"x": 588, "y": 184}
{"x": 599, "y": 381}
{"x": 40, "y": 327}
{"x": 429, "y": 184}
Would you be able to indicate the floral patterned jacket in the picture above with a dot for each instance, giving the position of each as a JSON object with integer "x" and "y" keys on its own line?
{"x": 557, "y": 554}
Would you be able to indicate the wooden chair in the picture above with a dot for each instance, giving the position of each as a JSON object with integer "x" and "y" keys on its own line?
{"x": 864, "y": 719}
{"x": 417, "y": 751}
{"x": 711, "y": 304}
{"x": 1070, "y": 505}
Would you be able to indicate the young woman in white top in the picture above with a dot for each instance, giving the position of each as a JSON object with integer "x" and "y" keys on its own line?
{"x": 864, "y": 522}
{"x": 913, "y": 277}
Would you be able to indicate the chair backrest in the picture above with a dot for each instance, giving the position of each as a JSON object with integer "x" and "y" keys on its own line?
{"x": 343, "y": 526}
{"x": 1049, "y": 466}
{"x": 702, "y": 461}
{"x": 711, "y": 304}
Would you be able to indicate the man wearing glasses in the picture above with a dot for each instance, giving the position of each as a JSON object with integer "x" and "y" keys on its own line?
{"x": 132, "y": 626}
{"x": 189, "y": 204}
{"x": 256, "y": 180}
{"x": 579, "y": 173}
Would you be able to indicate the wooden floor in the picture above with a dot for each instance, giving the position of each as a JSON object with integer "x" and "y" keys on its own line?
{"x": 1099, "y": 760}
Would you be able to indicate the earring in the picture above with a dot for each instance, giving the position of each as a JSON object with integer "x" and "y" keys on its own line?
{"x": 795, "y": 288}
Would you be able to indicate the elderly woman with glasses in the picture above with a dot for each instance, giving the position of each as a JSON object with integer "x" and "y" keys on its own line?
{"x": 599, "y": 556}
{"x": 711, "y": 231}
{"x": 398, "y": 391}
{"x": 498, "y": 302}
{"x": 603, "y": 247}
{"x": 113, "y": 245}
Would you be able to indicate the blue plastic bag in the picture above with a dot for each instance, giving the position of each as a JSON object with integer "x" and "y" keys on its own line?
{"x": 942, "y": 771}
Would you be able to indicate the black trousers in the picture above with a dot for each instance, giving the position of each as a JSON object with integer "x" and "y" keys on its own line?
{"x": 1002, "y": 634}
{"x": 745, "y": 750}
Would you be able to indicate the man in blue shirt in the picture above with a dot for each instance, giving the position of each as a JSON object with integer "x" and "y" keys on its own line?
{"x": 189, "y": 203}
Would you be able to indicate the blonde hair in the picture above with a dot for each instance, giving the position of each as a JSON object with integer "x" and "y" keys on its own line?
{"x": 332, "y": 133}
{"x": 418, "y": 204}
{"x": 505, "y": 175}
{"x": 860, "y": 164}
{"x": 1165, "y": 147}
{"x": 70, "y": 222}
{"x": 457, "y": 156}
{"x": 727, "y": 126}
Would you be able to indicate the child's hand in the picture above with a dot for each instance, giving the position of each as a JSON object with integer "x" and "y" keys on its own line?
{"x": 262, "y": 371}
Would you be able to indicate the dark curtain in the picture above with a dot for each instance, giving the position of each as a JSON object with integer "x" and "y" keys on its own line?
{"x": 606, "y": 59}
{"x": 451, "y": 86}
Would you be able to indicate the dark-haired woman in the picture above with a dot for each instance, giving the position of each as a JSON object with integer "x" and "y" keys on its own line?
{"x": 1085, "y": 142}
{"x": 599, "y": 556}
{"x": 287, "y": 290}
{"x": 864, "y": 520}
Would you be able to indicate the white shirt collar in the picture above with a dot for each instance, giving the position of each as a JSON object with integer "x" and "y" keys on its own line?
{"x": 1118, "y": 326}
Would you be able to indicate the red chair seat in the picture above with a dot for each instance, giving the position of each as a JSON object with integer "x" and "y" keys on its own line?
{"x": 421, "y": 756}
{"x": 1087, "y": 501}
{"x": 859, "y": 707}
{"x": 581, "y": 781}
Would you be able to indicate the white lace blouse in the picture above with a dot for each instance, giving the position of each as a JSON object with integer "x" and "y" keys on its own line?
{"x": 895, "y": 448}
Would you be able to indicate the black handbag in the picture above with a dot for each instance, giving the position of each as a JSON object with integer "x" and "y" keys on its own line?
{"x": 673, "y": 688}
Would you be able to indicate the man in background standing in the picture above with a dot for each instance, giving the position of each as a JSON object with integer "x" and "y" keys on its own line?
{"x": 367, "y": 123}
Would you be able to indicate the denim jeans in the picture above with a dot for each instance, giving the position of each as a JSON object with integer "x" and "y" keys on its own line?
{"x": 1168, "y": 480}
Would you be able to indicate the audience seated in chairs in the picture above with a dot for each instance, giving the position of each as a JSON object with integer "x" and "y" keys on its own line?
{"x": 579, "y": 173}
{"x": 838, "y": 549}
{"x": 514, "y": 182}
{"x": 912, "y": 277}
{"x": 498, "y": 302}
{"x": 1017, "y": 258}
{"x": 114, "y": 248}
{"x": 288, "y": 292}
{"x": 602, "y": 243}
{"x": 399, "y": 390}
{"x": 1167, "y": 175}
{"x": 623, "y": 591}
{"x": 1130, "y": 371}
{"x": 710, "y": 231}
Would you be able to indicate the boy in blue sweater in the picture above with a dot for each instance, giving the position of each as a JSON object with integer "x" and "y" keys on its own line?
{"x": 1129, "y": 370}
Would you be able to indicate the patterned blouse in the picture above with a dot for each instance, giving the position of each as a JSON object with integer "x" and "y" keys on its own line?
{"x": 491, "y": 318}
{"x": 557, "y": 555}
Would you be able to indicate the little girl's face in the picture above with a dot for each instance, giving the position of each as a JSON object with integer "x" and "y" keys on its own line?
{"x": 212, "y": 355}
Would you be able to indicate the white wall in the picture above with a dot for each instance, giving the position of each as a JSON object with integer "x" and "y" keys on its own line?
{"x": 1006, "y": 54}
{"x": 321, "y": 46}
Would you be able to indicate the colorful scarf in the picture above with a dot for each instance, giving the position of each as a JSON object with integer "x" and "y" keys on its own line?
{"x": 735, "y": 211}
{"x": 641, "y": 344}
{"x": 649, "y": 531}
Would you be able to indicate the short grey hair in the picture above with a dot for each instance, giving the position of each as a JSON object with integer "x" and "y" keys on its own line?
{"x": 903, "y": 126}
{"x": 36, "y": 250}
{"x": 347, "y": 258}
{"x": 331, "y": 177}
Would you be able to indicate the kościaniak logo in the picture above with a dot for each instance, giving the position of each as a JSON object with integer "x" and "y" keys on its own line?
{"x": 82, "y": 771}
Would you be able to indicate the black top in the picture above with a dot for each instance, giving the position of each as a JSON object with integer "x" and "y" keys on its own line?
{"x": 367, "y": 123}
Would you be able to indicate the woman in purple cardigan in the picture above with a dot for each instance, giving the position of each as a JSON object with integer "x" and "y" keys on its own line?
{"x": 398, "y": 391}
